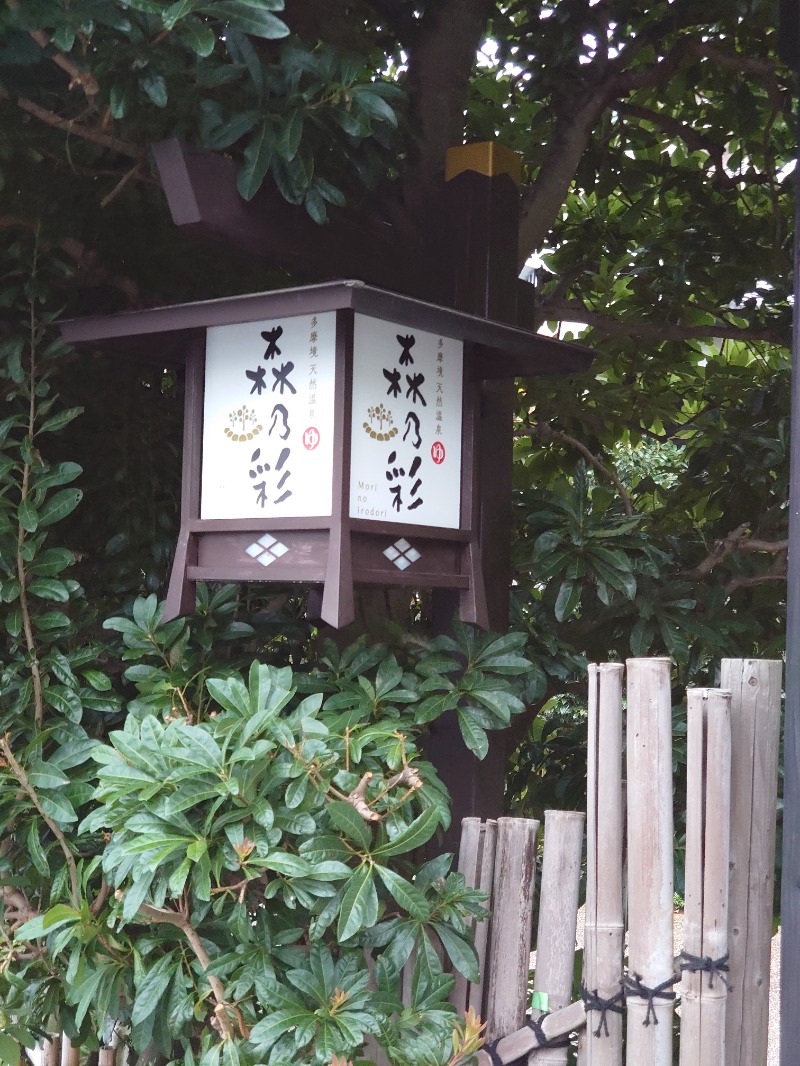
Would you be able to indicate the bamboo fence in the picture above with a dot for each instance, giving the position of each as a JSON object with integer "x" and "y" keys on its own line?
{"x": 650, "y": 998}
{"x": 755, "y": 687}
{"x": 704, "y": 986}
{"x": 604, "y": 931}
{"x": 558, "y": 917}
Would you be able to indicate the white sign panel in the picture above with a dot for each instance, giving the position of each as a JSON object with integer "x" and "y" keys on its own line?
{"x": 405, "y": 461}
{"x": 268, "y": 418}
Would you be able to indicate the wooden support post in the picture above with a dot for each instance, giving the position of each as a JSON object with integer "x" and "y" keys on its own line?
{"x": 558, "y": 916}
{"x": 181, "y": 596}
{"x": 601, "y": 1041}
{"x": 704, "y": 993}
{"x": 755, "y": 687}
{"x": 510, "y": 948}
{"x": 650, "y": 876}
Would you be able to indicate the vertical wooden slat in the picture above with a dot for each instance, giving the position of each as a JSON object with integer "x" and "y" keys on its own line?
{"x": 605, "y": 928}
{"x": 650, "y": 868}
{"x": 469, "y": 866}
{"x": 488, "y": 851}
{"x": 708, "y": 775}
{"x": 755, "y": 687}
{"x": 512, "y": 916}
{"x": 558, "y": 915}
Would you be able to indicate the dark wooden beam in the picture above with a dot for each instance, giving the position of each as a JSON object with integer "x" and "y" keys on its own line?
{"x": 203, "y": 199}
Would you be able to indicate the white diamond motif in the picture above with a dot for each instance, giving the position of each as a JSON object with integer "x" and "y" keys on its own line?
{"x": 401, "y": 554}
{"x": 266, "y": 550}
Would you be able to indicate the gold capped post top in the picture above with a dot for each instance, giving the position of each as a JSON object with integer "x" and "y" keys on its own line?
{"x": 486, "y": 157}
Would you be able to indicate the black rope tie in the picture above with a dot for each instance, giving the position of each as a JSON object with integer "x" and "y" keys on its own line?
{"x": 541, "y": 1039}
{"x": 705, "y": 964}
{"x": 634, "y": 987}
{"x": 592, "y": 1001}
{"x": 492, "y": 1052}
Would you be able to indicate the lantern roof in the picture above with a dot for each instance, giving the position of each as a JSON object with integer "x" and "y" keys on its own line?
{"x": 503, "y": 350}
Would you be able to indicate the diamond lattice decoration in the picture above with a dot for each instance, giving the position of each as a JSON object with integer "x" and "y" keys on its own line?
{"x": 266, "y": 549}
{"x": 402, "y": 554}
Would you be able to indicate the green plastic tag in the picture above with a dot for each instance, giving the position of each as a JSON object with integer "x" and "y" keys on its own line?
{"x": 540, "y": 1001}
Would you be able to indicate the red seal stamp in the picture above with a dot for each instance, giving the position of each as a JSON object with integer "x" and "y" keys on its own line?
{"x": 311, "y": 438}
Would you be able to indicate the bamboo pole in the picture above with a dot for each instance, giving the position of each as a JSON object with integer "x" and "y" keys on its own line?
{"x": 558, "y": 917}
{"x": 51, "y": 1050}
{"x": 755, "y": 727}
{"x": 70, "y": 1055}
{"x": 650, "y": 878}
{"x": 476, "y": 862}
{"x": 704, "y": 992}
{"x": 601, "y": 1041}
{"x": 512, "y": 916}
{"x": 512, "y": 1047}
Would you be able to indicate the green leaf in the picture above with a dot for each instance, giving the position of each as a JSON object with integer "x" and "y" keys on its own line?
{"x": 59, "y": 506}
{"x": 153, "y": 986}
{"x": 290, "y": 134}
{"x": 374, "y": 105}
{"x": 462, "y": 953}
{"x": 59, "y": 420}
{"x": 249, "y": 17}
{"x": 35, "y": 849}
{"x": 257, "y": 158}
{"x": 474, "y": 734}
{"x": 28, "y": 516}
{"x": 10, "y": 1051}
{"x": 177, "y": 11}
{"x": 413, "y": 836}
{"x": 359, "y": 904}
{"x": 48, "y": 588}
{"x": 155, "y": 87}
{"x": 569, "y": 596}
{"x": 349, "y": 821}
{"x": 230, "y": 693}
{"x": 58, "y": 807}
{"x": 199, "y": 37}
{"x": 407, "y": 895}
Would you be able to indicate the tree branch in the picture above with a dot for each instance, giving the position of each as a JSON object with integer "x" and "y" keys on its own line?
{"x": 49, "y": 118}
{"x": 696, "y": 142}
{"x": 738, "y": 539}
{"x": 546, "y": 434}
{"x": 164, "y": 916}
{"x": 574, "y": 127}
{"x": 27, "y": 787}
{"x": 574, "y": 311}
{"x": 439, "y": 68}
{"x": 77, "y": 75}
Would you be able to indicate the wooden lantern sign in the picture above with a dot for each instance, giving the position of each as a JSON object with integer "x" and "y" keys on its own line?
{"x": 331, "y": 436}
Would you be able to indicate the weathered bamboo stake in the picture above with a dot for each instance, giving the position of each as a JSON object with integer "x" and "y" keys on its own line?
{"x": 476, "y": 863}
{"x": 515, "y": 1045}
{"x": 708, "y": 796}
{"x": 512, "y": 916}
{"x": 558, "y": 917}
{"x": 469, "y": 866}
{"x": 755, "y": 687}
{"x": 650, "y": 877}
{"x": 70, "y": 1056}
{"x": 601, "y": 1041}
{"x": 107, "y": 1056}
{"x": 51, "y": 1050}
